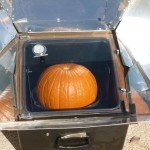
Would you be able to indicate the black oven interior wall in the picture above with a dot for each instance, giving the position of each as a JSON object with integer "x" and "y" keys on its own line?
{"x": 93, "y": 53}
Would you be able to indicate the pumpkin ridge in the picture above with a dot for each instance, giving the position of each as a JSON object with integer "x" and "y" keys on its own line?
{"x": 60, "y": 75}
{"x": 71, "y": 74}
{"x": 68, "y": 90}
{"x": 68, "y": 82}
{"x": 93, "y": 84}
{"x": 44, "y": 75}
{"x": 43, "y": 88}
{"x": 75, "y": 75}
{"x": 64, "y": 93}
{"x": 53, "y": 81}
{"x": 86, "y": 88}
{"x": 88, "y": 74}
{"x": 78, "y": 85}
{"x": 40, "y": 82}
{"x": 83, "y": 83}
{"x": 42, "y": 95}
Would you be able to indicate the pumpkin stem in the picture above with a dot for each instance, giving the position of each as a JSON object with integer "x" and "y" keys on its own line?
{"x": 66, "y": 68}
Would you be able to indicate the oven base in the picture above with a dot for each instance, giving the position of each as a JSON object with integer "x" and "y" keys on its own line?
{"x": 100, "y": 138}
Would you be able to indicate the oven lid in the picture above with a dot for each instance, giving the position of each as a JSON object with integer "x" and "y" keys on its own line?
{"x": 66, "y": 15}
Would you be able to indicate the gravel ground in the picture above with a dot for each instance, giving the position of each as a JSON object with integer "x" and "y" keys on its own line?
{"x": 138, "y": 138}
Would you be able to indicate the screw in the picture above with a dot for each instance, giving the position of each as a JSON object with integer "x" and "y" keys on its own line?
{"x": 47, "y": 134}
{"x": 123, "y": 90}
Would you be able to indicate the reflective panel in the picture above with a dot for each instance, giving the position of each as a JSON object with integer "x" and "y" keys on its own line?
{"x": 7, "y": 30}
{"x": 139, "y": 90}
{"x": 125, "y": 57}
{"x": 133, "y": 32}
{"x": 7, "y": 5}
{"x": 62, "y": 15}
{"x": 7, "y": 91}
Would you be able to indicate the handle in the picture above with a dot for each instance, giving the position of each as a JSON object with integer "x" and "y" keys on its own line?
{"x": 73, "y": 141}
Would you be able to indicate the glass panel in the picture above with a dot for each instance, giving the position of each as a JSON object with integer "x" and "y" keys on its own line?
{"x": 7, "y": 30}
{"x": 7, "y": 94}
{"x": 50, "y": 26}
{"x": 93, "y": 54}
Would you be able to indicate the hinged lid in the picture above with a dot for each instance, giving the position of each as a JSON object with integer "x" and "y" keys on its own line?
{"x": 66, "y": 15}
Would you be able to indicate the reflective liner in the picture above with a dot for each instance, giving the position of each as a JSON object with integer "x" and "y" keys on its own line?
{"x": 7, "y": 92}
{"x": 7, "y": 30}
{"x": 134, "y": 32}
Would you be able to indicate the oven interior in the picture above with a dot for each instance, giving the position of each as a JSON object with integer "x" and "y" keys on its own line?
{"x": 93, "y": 53}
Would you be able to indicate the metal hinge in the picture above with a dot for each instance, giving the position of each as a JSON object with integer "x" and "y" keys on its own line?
{"x": 24, "y": 37}
{"x": 26, "y": 116}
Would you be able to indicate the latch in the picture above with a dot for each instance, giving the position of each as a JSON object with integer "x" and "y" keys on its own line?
{"x": 24, "y": 37}
{"x": 123, "y": 90}
{"x": 26, "y": 116}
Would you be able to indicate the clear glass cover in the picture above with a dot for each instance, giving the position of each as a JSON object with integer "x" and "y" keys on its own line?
{"x": 93, "y": 54}
{"x": 62, "y": 15}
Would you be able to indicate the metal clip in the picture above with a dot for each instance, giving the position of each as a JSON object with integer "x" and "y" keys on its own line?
{"x": 26, "y": 116}
{"x": 117, "y": 52}
{"x": 28, "y": 70}
{"x": 24, "y": 37}
{"x": 123, "y": 90}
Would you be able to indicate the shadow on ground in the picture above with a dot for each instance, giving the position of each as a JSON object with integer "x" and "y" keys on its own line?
{"x": 13, "y": 138}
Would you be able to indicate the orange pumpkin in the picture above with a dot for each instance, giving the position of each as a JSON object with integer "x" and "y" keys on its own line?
{"x": 66, "y": 86}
